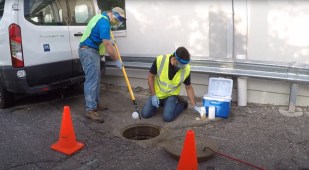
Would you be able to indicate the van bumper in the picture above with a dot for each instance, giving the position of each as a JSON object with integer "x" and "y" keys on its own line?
{"x": 19, "y": 85}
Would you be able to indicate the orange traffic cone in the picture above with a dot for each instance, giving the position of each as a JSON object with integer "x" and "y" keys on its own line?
{"x": 67, "y": 143}
{"x": 188, "y": 158}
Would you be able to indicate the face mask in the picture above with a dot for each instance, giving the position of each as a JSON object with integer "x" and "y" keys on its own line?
{"x": 181, "y": 63}
{"x": 114, "y": 22}
{"x": 181, "y": 66}
{"x": 176, "y": 68}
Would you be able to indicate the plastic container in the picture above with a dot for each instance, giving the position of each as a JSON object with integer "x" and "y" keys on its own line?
{"x": 211, "y": 112}
{"x": 203, "y": 113}
{"x": 219, "y": 96}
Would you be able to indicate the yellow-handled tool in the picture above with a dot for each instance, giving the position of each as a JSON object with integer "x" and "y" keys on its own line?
{"x": 126, "y": 78}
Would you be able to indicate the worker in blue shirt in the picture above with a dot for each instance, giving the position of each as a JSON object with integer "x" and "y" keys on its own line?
{"x": 96, "y": 40}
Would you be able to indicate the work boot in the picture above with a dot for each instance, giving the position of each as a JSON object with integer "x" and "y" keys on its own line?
{"x": 182, "y": 101}
{"x": 94, "y": 115}
{"x": 101, "y": 107}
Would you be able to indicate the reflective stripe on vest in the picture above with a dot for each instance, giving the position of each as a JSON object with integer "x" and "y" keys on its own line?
{"x": 165, "y": 87}
{"x": 89, "y": 28}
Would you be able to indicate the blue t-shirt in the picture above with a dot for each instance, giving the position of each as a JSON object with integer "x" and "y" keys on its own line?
{"x": 101, "y": 31}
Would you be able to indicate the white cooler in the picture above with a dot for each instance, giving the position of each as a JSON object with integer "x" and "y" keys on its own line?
{"x": 219, "y": 96}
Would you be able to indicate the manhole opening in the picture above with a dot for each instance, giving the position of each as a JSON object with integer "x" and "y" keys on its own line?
{"x": 141, "y": 132}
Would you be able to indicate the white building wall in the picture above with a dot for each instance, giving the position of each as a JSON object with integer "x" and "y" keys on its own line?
{"x": 278, "y": 30}
{"x": 263, "y": 30}
{"x": 159, "y": 27}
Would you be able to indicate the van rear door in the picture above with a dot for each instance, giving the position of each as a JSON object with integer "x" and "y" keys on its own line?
{"x": 81, "y": 11}
{"x": 46, "y": 44}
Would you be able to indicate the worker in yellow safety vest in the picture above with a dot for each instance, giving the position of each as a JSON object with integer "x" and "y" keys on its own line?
{"x": 96, "y": 40}
{"x": 165, "y": 77}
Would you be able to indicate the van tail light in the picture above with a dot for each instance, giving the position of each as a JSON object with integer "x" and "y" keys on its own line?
{"x": 16, "y": 46}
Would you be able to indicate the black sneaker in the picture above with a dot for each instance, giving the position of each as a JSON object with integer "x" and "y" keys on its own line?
{"x": 182, "y": 101}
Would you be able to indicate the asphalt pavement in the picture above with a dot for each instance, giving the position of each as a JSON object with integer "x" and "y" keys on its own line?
{"x": 255, "y": 134}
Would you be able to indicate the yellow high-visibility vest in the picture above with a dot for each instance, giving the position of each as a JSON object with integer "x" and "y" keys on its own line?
{"x": 164, "y": 87}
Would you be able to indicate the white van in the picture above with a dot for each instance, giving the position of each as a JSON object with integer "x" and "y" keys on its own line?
{"x": 39, "y": 45}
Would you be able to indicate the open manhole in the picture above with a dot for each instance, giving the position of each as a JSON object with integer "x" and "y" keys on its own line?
{"x": 141, "y": 132}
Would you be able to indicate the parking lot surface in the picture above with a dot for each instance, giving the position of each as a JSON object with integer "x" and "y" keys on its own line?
{"x": 256, "y": 133}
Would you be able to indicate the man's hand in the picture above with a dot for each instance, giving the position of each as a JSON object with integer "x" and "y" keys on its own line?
{"x": 118, "y": 64}
{"x": 155, "y": 101}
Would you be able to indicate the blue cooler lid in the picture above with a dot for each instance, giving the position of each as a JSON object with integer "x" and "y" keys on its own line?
{"x": 221, "y": 87}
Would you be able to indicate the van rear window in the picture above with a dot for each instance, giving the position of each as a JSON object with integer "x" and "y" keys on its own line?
{"x": 59, "y": 12}
{"x": 47, "y": 12}
{"x": 81, "y": 11}
{"x": 1, "y": 8}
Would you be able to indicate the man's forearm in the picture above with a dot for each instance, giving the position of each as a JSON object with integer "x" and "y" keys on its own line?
{"x": 191, "y": 95}
{"x": 151, "y": 84}
{"x": 111, "y": 52}
{"x": 110, "y": 49}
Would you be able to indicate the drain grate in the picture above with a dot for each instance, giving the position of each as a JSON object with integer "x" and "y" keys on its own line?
{"x": 141, "y": 132}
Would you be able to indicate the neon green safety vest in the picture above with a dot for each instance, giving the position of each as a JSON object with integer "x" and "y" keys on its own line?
{"x": 164, "y": 87}
{"x": 88, "y": 30}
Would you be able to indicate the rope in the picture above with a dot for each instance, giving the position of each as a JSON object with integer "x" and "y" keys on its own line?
{"x": 235, "y": 159}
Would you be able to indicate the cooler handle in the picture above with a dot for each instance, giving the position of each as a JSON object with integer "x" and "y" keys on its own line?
{"x": 213, "y": 102}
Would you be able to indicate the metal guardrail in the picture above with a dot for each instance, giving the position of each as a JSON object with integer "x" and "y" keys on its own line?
{"x": 292, "y": 72}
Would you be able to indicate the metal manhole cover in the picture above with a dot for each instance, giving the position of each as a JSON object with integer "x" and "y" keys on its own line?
{"x": 174, "y": 147}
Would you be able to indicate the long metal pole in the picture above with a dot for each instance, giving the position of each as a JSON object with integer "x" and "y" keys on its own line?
{"x": 126, "y": 78}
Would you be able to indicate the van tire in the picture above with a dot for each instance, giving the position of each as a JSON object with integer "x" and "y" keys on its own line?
{"x": 6, "y": 98}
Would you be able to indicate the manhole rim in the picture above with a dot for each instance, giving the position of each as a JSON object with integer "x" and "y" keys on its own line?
{"x": 198, "y": 146}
